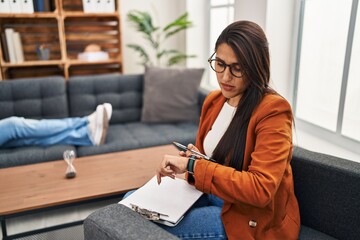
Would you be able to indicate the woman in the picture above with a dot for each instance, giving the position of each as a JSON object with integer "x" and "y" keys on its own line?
{"x": 247, "y": 128}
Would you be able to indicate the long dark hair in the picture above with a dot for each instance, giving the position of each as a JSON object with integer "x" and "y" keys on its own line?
{"x": 250, "y": 45}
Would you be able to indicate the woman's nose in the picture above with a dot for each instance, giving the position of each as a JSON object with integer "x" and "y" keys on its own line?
{"x": 226, "y": 75}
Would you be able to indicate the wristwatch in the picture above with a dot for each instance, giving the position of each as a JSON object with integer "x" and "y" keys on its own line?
{"x": 191, "y": 164}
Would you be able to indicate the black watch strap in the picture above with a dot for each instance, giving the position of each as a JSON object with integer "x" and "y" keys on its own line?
{"x": 191, "y": 164}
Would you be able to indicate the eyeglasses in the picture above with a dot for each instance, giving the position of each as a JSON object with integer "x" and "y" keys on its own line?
{"x": 219, "y": 66}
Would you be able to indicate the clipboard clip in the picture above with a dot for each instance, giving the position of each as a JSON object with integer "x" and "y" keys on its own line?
{"x": 148, "y": 214}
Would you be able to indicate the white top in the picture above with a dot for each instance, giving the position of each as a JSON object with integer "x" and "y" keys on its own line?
{"x": 218, "y": 129}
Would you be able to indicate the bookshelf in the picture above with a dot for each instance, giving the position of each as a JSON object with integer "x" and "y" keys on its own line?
{"x": 65, "y": 30}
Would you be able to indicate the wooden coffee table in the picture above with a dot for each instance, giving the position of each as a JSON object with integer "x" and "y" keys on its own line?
{"x": 28, "y": 188}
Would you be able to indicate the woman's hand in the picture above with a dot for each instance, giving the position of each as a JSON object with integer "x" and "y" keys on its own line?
{"x": 170, "y": 166}
{"x": 188, "y": 153}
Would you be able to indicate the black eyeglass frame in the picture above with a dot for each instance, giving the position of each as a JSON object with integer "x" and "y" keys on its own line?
{"x": 210, "y": 60}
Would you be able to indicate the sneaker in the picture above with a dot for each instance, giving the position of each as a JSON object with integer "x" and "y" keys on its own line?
{"x": 98, "y": 124}
{"x": 92, "y": 119}
{"x": 108, "y": 109}
{"x": 102, "y": 128}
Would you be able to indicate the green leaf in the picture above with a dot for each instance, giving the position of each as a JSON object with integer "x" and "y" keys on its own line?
{"x": 143, "y": 23}
{"x": 169, "y": 34}
{"x": 182, "y": 20}
{"x": 178, "y": 25}
{"x": 143, "y": 54}
{"x": 156, "y": 36}
{"x": 165, "y": 52}
{"x": 178, "y": 58}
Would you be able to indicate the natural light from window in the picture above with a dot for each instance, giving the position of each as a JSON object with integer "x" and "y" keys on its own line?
{"x": 327, "y": 86}
{"x": 323, "y": 46}
{"x": 221, "y": 15}
{"x": 351, "y": 120}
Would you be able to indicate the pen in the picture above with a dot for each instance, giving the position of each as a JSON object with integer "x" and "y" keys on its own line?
{"x": 193, "y": 151}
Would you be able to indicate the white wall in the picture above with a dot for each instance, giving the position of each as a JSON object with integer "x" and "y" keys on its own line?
{"x": 197, "y": 40}
{"x": 197, "y": 37}
{"x": 277, "y": 19}
{"x": 280, "y": 28}
{"x": 251, "y": 10}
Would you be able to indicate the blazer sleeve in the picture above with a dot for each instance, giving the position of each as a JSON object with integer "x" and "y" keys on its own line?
{"x": 270, "y": 128}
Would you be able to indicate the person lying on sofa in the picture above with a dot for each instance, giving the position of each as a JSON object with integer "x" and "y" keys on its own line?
{"x": 79, "y": 131}
{"x": 247, "y": 128}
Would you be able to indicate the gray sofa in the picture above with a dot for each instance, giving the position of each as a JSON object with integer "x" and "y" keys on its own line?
{"x": 327, "y": 188}
{"x": 53, "y": 97}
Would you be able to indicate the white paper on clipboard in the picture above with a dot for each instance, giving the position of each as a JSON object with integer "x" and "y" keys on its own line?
{"x": 173, "y": 197}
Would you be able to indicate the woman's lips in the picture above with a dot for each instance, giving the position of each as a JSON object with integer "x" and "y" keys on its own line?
{"x": 227, "y": 87}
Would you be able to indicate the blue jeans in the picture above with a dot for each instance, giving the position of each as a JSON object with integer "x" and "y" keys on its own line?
{"x": 18, "y": 131}
{"x": 202, "y": 221}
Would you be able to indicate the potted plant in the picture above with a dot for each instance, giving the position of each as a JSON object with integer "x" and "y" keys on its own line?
{"x": 156, "y": 36}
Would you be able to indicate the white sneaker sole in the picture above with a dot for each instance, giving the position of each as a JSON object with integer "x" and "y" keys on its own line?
{"x": 99, "y": 124}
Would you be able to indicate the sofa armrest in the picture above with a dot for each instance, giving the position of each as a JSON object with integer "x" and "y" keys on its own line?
{"x": 119, "y": 222}
{"x": 327, "y": 189}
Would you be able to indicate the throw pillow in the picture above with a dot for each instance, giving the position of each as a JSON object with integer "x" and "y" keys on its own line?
{"x": 171, "y": 94}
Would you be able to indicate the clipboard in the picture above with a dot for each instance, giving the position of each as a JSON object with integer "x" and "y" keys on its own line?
{"x": 165, "y": 203}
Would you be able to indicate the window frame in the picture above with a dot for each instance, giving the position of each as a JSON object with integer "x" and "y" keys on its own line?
{"x": 334, "y": 137}
{"x": 209, "y": 82}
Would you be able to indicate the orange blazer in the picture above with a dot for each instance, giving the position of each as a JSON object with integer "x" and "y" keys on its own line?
{"x": 259, "y": 202}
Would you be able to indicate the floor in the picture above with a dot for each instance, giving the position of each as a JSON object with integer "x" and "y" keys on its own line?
{"x": 72, "y": 233}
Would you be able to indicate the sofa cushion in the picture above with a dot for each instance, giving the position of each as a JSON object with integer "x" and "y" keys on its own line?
{"x": 124, "y": 92}
{"x": 171, "y": 94}
{"x": 328, "y": 192}
{"x": 34, "y": 98}
{"x": 28, "y": 155}
{"x": 139, "y": 135}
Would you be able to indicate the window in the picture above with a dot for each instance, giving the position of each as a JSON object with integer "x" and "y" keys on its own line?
{"x": 351, "y": 118}
{"x": 221, "y": 15}
{"x": 327, "y": 84}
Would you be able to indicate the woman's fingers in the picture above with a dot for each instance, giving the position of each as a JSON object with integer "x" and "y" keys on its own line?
{"x": 158, "y": 176}
{"x": 191, "y": 146}
{"x": 164, "y": 170}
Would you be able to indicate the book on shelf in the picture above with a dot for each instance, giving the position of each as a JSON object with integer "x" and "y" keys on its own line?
{"x": 16, "y": 6}
{"x": 98, "y": 6}
{"x": 14, "y": 46}
{"x": 19, "y": 53}
{"x": 107, "y": 6}
{"x": 4, "y": 48}
{"x": 42, "y": 5}
{"x": 89, "y": 6}
{"x": 10, "y": 44}
{"x": 5, "y": 6}
{"x": 27, "y": 6}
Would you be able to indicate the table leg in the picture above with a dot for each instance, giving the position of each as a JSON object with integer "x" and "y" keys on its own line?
{"x": 3, "y": 228}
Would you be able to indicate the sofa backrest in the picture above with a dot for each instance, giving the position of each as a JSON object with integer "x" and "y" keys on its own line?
{"x": 328, "y": 191}
{"x": 124, "y": 92}
{"x": 43, "y": 97}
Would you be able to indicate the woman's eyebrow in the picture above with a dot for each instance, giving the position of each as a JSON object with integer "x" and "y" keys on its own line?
{"x": 235, "y": 63}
